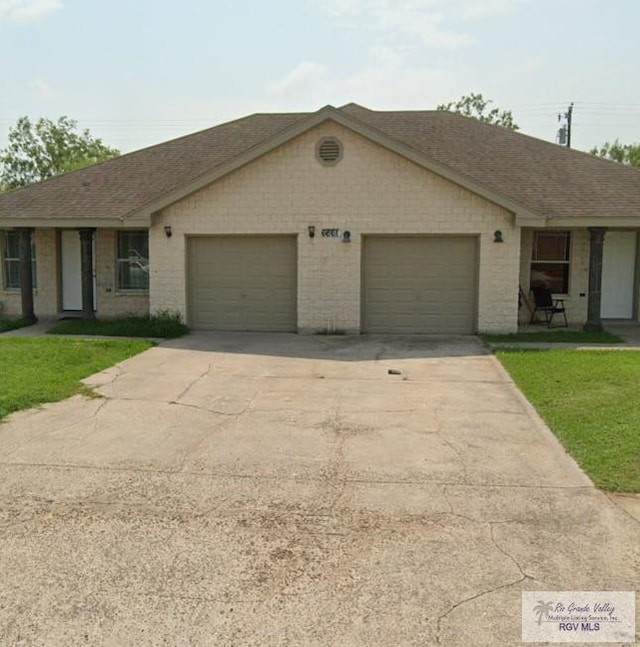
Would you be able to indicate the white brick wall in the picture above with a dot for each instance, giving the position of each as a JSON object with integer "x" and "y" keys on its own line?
{"x": 109, "y": 301}
{"x": 575, "y": 304}
{"x": 45, "y": 298}
{"x": 371, "y": 191}
{"x": 47, "y": 301}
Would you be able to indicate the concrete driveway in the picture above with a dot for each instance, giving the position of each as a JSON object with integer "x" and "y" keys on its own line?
{"x": 263, "y": 490}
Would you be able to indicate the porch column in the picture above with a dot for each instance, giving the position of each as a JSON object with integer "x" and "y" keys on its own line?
{"x": 596, "y": 243}
{"x": 86, "y": 269}
{"x": 26, "y": 275}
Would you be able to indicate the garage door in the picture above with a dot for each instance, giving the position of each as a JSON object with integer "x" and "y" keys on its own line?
{"x": 243, "y": 283}
{"x": 419, "y": 284}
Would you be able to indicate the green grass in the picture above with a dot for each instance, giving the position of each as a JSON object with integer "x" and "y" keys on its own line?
{"x": 165, "y": 326}
{"x": 13, "y": 324}
{"x": 590, "y": 401}
{"x": 557, "y": 337}
{"x": 35, "y": 370}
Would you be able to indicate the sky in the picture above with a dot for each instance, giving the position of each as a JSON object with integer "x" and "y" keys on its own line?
{"x": 137, "y": 72}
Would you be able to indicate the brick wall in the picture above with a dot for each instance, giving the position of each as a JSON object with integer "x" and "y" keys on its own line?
{"x": 575, "y": 304}
{"x": 371, "y": 191}
{"x": 45, "y": 297}
{"x": 109, "y": 301}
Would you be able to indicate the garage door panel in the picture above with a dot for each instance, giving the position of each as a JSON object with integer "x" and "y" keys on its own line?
{"x": 419, "y": 284}
{"x": 243, "y": 283}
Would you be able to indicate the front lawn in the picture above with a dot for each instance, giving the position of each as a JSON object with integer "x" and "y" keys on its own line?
{"x": 37, "y": 370}
{"x": 556, "y": 337}
{"x": 590, "y": 401}
{"x": 160, "y": 326}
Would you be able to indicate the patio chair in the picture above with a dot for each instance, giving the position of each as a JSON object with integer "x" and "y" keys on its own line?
{"x": 548, "y": 306}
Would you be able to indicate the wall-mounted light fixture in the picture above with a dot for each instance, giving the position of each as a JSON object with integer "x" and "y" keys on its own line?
{"x": 312, "y": 231}
{"x": 167, "y": 231}
{"x": 497, "y": 236}
{"x": 346, "y": 236}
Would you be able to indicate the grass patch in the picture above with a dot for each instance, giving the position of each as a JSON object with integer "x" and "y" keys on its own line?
{"x": 557, "y": 337}
{"x": 38, "y": 370}
{"x": 13, "y": 324}
{"x": 166, "y": 326}
{"x": 590, "y": 401}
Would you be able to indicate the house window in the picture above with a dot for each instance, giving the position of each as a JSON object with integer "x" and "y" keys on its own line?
{"x": 133, "y": 260}
{"x": 11, "y": 260}
{"x": 550, "y": 260}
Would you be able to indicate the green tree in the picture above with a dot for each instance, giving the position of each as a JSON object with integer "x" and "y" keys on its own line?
{"x": 623, "y": 153}
{"x": 475, "y": 105}
{"x": 40, "y": 150}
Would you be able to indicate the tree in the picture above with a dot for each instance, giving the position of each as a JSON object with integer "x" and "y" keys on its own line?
{"x": 40, "y": 150}
{"x": 475, "y": 105}
{"x": 623, "y": 153}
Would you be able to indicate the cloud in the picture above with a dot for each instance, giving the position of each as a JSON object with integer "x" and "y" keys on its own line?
{"x": 387, "y": 81}
{"x": 420, "y": 22}
{"x": 41, "y": 88}
{"x": 25, "y": 11}
{"x": 302, "y": 78}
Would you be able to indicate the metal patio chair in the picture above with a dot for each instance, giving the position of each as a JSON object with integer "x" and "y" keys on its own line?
{"x": 548, "y": 306}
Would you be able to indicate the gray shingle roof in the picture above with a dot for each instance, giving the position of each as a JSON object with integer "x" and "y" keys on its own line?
{"x": 541, "y": 177}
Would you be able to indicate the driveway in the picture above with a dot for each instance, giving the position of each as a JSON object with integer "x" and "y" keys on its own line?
{"x": 248, "y": 489}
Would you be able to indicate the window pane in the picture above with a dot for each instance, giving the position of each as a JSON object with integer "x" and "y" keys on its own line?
{"x": 133, "y": 260}
{"x": 12, "y": 274}
{"x": 132, "y": 276}
{"x": 551, "y": 246}
{"x": 12, "y": 249}
{"x": 554, "y": 276}
{"x": 11, "y": 255}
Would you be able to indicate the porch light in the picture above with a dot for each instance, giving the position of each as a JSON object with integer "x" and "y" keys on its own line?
{"x": 312, "y": 231}
{"x": 497, "y": 236}
{"x": 167, "y": 231}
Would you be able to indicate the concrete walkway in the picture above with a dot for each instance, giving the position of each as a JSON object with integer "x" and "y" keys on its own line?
{"x": 265, "y": 490}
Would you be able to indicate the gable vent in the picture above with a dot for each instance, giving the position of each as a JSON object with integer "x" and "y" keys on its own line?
{"x": 329, "y": 151}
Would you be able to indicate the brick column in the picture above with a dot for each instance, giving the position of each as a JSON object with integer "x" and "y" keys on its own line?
{"x": 26, "y": 275}
{"x": 596, "y": 244}
{"x": 86, "y": 268}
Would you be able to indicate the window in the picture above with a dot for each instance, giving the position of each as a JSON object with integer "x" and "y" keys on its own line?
{"x": 550, "y": 260}
{"x": 11, "y": 260}
{"x": 133, "y": 260}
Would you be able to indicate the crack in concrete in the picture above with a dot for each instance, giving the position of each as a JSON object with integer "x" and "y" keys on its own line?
{"x": 443, "y": 437}
{"x": 507, "y": 554}
{"x": 231, "y": 417}
{"x": 116, "y": 369}
{"x": 299, "y": 479}
{"x": 194, "y": 382}
{"x": 35, "y": 439}
{"x": 470, "y": 599}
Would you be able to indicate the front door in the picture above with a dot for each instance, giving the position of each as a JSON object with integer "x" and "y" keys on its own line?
{"x": 72, "y": 270}
{"x": 618, "y": 274}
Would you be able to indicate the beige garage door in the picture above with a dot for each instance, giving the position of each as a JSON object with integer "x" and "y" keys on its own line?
{"x": 243, "y": 283}
{"x": 419, "y": 284}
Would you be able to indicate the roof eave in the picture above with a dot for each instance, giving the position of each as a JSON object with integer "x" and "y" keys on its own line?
{"x": 139, "y": 222}
{"x": 572, "y": 222}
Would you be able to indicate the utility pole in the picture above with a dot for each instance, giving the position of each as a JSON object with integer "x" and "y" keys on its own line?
{"x": 564, "y": 133}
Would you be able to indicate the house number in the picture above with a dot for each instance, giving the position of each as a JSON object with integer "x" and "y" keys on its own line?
{"x": 330, "y": 233}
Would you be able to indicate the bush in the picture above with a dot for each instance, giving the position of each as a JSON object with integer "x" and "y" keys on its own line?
{"x": 163, "y": 324}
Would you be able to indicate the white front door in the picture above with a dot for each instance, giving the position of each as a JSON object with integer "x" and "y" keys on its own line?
{"x": 618, "y": 274}
{"x": 72, "y": 270}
